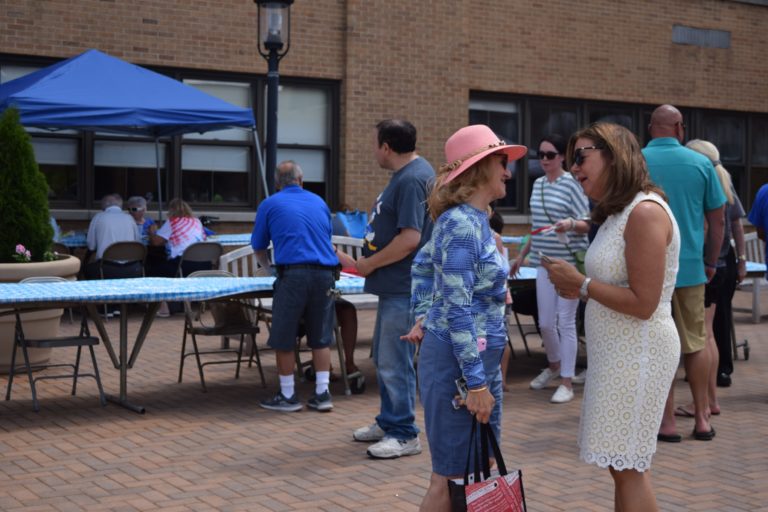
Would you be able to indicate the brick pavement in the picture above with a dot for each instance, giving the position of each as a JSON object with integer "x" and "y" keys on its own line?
{"x": 220, "y": 452}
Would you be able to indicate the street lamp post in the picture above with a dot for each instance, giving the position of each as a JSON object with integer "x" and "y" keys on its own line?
{"x": 274, "y": 43}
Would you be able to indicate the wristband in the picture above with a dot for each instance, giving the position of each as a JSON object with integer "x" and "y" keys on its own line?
{"x": 709, "y": 266}
{"x": 478, "y": 390}
{"x": 584, "y": 290}
{"x": 742, "y": 257}
{"x": 573, "y": 225}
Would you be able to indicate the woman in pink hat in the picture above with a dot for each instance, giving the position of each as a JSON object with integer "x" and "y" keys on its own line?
{"x": 458, "y": 297}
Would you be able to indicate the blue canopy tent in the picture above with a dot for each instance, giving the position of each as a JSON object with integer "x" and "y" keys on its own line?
{"x": 97, "y": 92}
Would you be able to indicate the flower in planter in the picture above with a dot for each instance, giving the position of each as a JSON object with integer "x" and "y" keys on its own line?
{"x": 22, "y": 255}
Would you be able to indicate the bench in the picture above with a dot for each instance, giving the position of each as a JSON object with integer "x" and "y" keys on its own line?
{"x": 755, "y": 251}
{"x": 242, "y": 262}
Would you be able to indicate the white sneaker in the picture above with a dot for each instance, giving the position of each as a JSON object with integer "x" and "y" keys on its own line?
{"x": 581, "y": 378}
{"x": 562, "y": 395}
{"x": 545, "y": 377}
{"x": 391, "y": 448}
{"x": 369, "y": 434}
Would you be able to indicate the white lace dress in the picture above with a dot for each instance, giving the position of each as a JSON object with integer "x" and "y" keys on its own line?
{"x": 631, "y": 362}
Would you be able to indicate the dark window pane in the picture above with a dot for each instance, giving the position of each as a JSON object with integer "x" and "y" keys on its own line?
{"x": 505, "y": 122}
{"x": 727, "y": 132}
{"x": 62, "y": 181}
{"x": 128, "y": 181}
{"x": 760, "y": 141}
{"x": 319, "y": 188}
{"x": 759, "y": 177}
{"x": 738, "y": 179}
{"x": 618, "y": 115}
{"x": 214, "y": 187}
{"x": 548, "y": 119}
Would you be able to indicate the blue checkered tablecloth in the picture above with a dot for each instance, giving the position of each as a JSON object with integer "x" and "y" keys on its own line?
{"x": 147, "y": 289}
{"x": 754, "y": 267}
{"x": 524, "y": 273}
{"x": 78, "y": 240}
{"x": 511, "y": 240}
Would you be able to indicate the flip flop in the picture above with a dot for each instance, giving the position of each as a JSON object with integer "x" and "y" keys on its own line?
{"x": 669, "y": 438}
{"x": 682, "y": 411}
{"x": 704, "y": 436}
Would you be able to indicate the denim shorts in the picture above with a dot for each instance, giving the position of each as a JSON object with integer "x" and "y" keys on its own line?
{"x": 302, "y": 294}
{"x": 447, "y": 428}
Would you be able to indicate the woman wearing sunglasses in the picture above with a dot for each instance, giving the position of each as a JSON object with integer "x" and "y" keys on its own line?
{"x": 632, "y": 343}
{"x": 558, "y": 206}
{"x": 458, "y": 294}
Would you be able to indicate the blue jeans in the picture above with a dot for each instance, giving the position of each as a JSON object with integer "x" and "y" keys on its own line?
{"x": 393, "y": 358}
{"x": 447, "y": 428}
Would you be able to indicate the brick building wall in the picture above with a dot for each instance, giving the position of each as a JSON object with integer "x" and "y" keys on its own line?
{"x": 420, "y": 59}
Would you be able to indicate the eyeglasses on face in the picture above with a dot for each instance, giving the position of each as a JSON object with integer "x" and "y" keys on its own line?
{"x": 579, "y": 157}
{"x": 547, "y": 155}
{"x": 135, "y": 209}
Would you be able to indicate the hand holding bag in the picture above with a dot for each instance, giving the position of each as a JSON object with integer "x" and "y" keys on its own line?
{"x": 503, "y": 493}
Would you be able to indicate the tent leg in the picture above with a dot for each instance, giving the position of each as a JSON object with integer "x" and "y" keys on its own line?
{"x": 159, "y": 183}
{"x": 260, "y": 162}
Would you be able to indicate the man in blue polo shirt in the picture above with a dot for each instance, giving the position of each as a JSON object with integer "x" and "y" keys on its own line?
{"x": 298, "y": 223}
{"x": 758, "y": 216}
{"x": 694, "y": 194}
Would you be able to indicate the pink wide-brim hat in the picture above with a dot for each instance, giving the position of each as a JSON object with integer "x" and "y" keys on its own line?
{"x": 471, "y": 144}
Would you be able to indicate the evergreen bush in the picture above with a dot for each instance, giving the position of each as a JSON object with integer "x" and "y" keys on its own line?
{"x": 23, "y": 194}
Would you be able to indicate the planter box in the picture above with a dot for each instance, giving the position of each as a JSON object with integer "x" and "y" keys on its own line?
{"x": 38, "y": 324}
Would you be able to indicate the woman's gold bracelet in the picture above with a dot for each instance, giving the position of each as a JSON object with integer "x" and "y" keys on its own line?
{"x": 478, "y": 390}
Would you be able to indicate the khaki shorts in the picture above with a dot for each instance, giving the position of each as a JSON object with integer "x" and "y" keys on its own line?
{"x": 688, "y": 311}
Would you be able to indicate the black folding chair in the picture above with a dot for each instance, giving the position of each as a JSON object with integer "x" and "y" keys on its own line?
{"x": 228, "y": 318}
{"x": 83, "y": 339}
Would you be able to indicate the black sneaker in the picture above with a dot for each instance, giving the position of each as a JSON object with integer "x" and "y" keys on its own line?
{"x": 723, "y": 380}
{"x": 321, "y": 402}
{"x": 280, "y": 403}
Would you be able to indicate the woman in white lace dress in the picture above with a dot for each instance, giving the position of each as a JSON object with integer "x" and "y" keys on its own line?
{"x": 632, "y": 344}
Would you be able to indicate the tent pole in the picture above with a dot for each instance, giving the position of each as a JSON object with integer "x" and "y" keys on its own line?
{"x": 159, "y": 184}
{"x": 260, "y": 160}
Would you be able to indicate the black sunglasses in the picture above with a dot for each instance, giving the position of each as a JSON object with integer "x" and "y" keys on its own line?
{"x": 547, "y": 155}
{"x": 578, "y": 157}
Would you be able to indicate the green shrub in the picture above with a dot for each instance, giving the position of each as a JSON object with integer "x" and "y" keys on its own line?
{"x": 23, "y": 193}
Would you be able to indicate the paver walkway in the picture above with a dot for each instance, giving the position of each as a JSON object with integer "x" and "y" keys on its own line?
{"x": 218, "y": 451}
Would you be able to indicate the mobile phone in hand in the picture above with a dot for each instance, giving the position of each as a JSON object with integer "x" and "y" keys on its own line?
{"x": 459, "y": 400}
{"x": 544, "y": 257}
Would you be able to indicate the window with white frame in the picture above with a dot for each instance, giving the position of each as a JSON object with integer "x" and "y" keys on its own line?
{"x": 503, "y": 117}
{"x": 304, "y": 133}
{"x": 215, "y": 165}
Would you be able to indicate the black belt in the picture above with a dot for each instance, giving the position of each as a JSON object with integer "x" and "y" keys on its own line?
{"x": 306, "y": 266}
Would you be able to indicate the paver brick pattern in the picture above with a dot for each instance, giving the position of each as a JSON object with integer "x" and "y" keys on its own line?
{"x": 218, "y": 451}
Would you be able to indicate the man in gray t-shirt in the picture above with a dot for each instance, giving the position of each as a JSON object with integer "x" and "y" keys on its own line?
{"x": 398, "y": 226}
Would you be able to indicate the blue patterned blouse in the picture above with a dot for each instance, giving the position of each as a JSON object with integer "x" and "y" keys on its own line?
{"x": 459, "y": 286}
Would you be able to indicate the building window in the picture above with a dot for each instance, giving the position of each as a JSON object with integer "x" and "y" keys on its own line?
{"x": 210, "y": 170}
{"x": 218, "y": 174}
{"x": 304, "y": 133}
{"x": 57, "y": 159}
{"x": 128, "y": 168}
{"x": 547, "y": 117}
{"x": 742, "y": 139}
{"x": 503, "y": 117}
